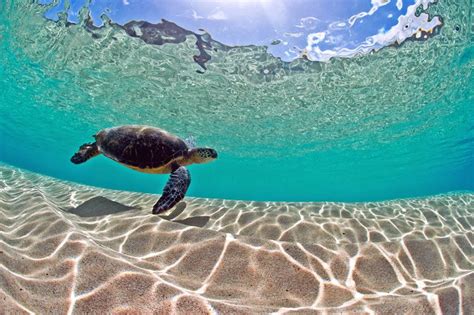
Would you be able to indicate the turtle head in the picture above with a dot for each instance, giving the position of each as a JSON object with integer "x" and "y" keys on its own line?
{"x": 202, "y": 155}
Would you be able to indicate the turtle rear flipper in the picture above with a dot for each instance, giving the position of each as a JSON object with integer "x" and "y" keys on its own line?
{"x": 174, "y": 190}
{"x": 86, "y": 151}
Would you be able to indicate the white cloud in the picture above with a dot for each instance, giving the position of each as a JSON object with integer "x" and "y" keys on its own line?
{"x": 399, "y": 4}
{"x": 217, "y": 15}
{"x": 308, "y": 23}
{"x": 314, "y": 39}
{"x": 334, "y": 39}
{"x": 408, "y": 25}
{"x": 337, "y": 25}
{"x": 197, "y": 16}
{"x": 376, "y": 4}
{"x": 125, "y": 2}
{"x": 296, "y": 35}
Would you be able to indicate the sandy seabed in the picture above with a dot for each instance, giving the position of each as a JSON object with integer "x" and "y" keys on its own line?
{"x": 69, "y": 248}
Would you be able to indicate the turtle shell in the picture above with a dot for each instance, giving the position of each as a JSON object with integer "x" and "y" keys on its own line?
{"x": 141, "y": 147}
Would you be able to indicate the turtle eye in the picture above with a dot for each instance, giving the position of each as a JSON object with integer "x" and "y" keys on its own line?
{"x": 209, "y": 154}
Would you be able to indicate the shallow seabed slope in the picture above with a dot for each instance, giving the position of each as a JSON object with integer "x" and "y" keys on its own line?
{"x": 400, "y": 256}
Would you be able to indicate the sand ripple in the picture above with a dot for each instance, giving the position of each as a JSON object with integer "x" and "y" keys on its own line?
{"x": 230, "y": 257}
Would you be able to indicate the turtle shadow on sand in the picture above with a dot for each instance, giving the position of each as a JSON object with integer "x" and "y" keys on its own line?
{"x": 98, "y": 206}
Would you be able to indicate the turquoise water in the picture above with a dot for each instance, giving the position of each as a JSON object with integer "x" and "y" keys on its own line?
{"x": 395, "y": 123}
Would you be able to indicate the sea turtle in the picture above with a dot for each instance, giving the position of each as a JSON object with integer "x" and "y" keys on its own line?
{"x": 149, "y": 150}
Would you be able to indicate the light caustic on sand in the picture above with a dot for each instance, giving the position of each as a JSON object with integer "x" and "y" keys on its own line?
{"x": 413, "y": 255}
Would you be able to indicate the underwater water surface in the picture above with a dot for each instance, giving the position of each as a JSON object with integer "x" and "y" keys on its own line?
{"x": 393, "y": 123}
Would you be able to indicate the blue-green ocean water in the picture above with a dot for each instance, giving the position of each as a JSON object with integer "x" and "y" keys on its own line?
{"x": 392, "y": 124}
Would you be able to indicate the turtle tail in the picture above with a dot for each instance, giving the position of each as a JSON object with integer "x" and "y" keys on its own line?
{"x": 86, "y": 151}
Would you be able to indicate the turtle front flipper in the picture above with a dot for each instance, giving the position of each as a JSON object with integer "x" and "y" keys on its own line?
{"x": 86, "y": 151}
{"x": 174, "y": 190}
